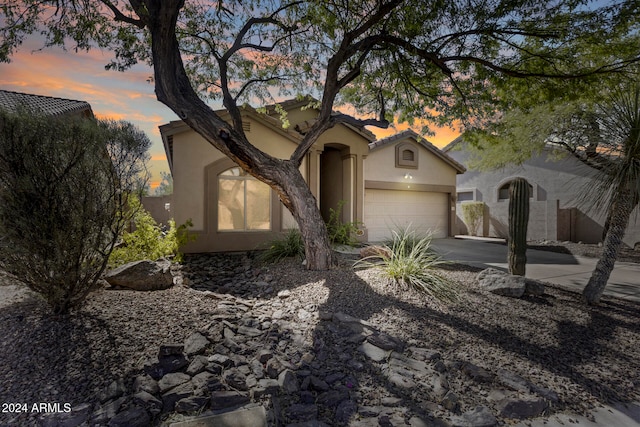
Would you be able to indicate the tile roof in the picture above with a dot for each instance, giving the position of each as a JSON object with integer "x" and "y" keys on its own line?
{"x": 410, "y": 134}
{"x": 453, "y": 144}
{"x": 49, "y": 105}
{"x": 298, "y": 102}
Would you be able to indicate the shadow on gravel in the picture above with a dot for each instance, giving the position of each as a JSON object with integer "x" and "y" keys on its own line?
{"x": 49, "y": 358}
{"x": 582, "y": 349}
{"x": 572, "y": 348}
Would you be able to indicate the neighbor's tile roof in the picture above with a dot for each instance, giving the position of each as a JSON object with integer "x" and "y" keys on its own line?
{"x": 49, "y": 105}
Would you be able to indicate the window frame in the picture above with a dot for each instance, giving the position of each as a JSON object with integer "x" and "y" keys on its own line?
{"x": 504, "y": 185}
{"x": 244, "y": 177}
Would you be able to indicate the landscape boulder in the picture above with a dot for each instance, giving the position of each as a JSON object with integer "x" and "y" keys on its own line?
{"x": 503, "y": 283}
{"x": 142, "y": 275}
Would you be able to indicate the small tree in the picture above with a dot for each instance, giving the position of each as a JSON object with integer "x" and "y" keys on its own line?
{"x": 63, "y": 183}
{"x": 166, "y": 185}
{"x": 473, "y": 215}
{"x": 148, "y": 240}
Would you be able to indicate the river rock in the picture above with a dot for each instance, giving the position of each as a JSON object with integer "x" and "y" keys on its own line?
{"x": 133, "y": 417}
{"x": 481, "y": 416}
{"x": 196, "y": 343}
{"x": 522, "y": 408}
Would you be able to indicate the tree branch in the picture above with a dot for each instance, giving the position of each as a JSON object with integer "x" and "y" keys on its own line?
{"x": 119, "y": 16}
{"x": 345, "y": 118}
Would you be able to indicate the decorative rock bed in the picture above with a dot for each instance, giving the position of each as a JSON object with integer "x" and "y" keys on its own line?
{"x": 271, "y": 348}
{"x": 249, "y": 355}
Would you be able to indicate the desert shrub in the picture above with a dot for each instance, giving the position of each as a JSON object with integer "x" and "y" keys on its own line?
{"x": 63, "y": 182}
{"x": 148, "y": 240}
{"x": 409, "y": 237}
{"x": 409, "y": 261}
{"x": 472, "y": 214}
{"x": 287, "y": 246}
{"x": 341, "y": 233}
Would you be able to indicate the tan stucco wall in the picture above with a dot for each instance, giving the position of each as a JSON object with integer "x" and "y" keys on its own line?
{"x": 342, "y": 135}
{"x": 381, "y": 166}
{"x": 195, "y": 160}
{"x": 432, "y": 175}
{"x": 191, "y": 154}
{"x": 298, "y": 115}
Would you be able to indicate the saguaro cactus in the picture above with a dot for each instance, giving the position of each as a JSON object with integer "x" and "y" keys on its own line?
{"x": 518, "y": 221}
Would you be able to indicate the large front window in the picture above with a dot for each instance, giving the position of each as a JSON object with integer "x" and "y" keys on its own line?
{"x": 244, "y": 203}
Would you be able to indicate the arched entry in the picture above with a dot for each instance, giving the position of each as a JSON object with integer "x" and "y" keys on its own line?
{"x": 337, "y": 181}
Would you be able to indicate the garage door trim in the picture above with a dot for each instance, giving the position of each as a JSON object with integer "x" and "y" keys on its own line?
{"x": 403, "y": 186}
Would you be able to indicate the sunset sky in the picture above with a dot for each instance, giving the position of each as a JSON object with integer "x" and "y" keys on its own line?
{"x": 127, "y": 96}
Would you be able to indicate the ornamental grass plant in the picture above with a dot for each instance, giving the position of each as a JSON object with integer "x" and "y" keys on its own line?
{"x": 410, "y": 262}
{"x": 289, "y": 245}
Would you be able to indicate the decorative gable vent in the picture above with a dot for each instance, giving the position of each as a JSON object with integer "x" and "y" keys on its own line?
{"x": 406, "y": 155}
{"x": 246, "y": 126}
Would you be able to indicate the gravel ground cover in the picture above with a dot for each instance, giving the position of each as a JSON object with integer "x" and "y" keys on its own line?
{"x": 587, "y": 355}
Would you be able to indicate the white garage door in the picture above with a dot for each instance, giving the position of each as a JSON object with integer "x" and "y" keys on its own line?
{"x": 386, "y": 210}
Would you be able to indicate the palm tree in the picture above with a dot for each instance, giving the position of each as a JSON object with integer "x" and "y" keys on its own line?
{"x": 612, "y": 147}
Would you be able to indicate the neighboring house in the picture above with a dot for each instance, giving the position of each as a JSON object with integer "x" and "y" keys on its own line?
{"x": 233, "y": 211}
{"x": 556, "y": 211}
{"x": 48, "y": 105}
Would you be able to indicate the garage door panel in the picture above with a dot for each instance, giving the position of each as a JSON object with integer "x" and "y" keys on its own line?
{"x": 386, "y": 210}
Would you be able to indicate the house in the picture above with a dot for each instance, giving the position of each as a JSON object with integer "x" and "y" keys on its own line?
{"x": 48, "y": 105}
{"x": 378, "y": 184}
{"x": 556, "y": 210}
{"x": 409, "y": 182}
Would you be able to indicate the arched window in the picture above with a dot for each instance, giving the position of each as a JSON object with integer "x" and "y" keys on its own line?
{"x": 244, "y": 203}
{"x": 503, "y": 192}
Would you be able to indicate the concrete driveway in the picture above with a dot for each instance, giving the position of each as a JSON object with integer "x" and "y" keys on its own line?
{"x": 569, "y": 271}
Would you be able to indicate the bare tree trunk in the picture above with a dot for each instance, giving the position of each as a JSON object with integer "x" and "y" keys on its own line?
{"x": 303, "y": 205}
{"x": 618, "y": 219}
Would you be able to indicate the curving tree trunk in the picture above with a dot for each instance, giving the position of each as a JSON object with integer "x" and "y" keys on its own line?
{"x": 174, "y": 89}
{"x": 304, "y": 208}
{"x": 618, "y": 219}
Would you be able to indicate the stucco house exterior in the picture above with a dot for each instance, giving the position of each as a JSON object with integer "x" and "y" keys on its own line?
{"x": 409, "y": 182}
{"x": 556, "y": 211}
{"x": 232, "y": 211}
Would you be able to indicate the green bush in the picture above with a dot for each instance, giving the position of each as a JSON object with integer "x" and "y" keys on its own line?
{"x": 472, "y": 214}
{"x": 63, "y": 184}
{"x": 411, "y": 262}
{"x": 148, "y": 241}
{"x": 290, "y": 245}
{"x": 341, "y": 233}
